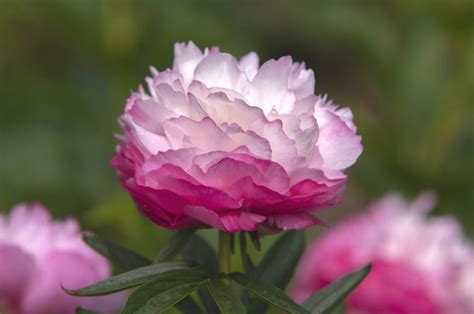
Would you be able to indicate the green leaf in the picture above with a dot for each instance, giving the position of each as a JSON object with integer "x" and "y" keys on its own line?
{"x": 255, "y": 239}
{"x": 174, "y": 246}
{"x": 80, "y": 310}
{"x": 165, "y": 291}
{"x": 201, "y": 252}
{"x": 129, "y": 279}
{"x": 279, "y": 262}
{"x": 225, "y": 298}
{"x": 188, "y": 306}
{"x": 327, "y": 299}
{"x": 122, "y": 257}
{"x": 267, "y": 293}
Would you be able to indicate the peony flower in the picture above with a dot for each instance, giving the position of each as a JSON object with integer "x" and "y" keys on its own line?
{"x": 420, "y": 265}
{"x": 37, "y": 255}
{"x": 233, "y": 145}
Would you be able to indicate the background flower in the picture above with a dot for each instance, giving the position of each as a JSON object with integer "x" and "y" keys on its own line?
{"x": 37, "y": 255}
{"x": 231, "y": 144}
{"x": 420, "y": 264}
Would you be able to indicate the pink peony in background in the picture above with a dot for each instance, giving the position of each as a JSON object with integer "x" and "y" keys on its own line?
{"x": 227, "y": 143}
{"x": 37, "y": 254}
{"x": 420, "y": 265}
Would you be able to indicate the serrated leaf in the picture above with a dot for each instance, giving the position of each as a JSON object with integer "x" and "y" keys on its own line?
{"x": 164, "y": 292}
{"x": 117, "y": 254}
{"x": 224, "y": 297}
{"x": 267, "y": 293}
{"x": 328, "y": 298}
{"x": 200, "y": 251}
{"x": 174, "y": 246}
{"x": 129, "y": 279}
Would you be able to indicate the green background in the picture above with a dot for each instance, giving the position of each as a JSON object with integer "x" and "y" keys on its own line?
{"x": 406, "y": 69}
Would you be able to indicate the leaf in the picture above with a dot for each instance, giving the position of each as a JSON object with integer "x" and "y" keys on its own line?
{"x": 174, "y": 246}
{"x": 327, "y": 299}
{"x": 268, "y": 293}
{"x": 162, "y": 293}
{"x": 129, "y": 279}
{"x": 188, "y": 306}
{"x": 225, "y": 298}
{"x": 123, "y": 257}
{"x": 201, "y": 252}
{"x": 80, "y": 310}
{"x": 255, "y": 239}
{"x": 279, "y": 262}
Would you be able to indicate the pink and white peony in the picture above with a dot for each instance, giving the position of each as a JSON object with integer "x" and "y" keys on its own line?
{"x": 37, "y": 255}
{"x": 227, "y": 143}
{"x": 420, "y": 264}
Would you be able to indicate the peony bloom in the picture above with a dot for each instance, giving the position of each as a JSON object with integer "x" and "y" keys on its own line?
{"x": 37, "y": 255}
{"x": 420, "y": 265}
{"x": 230, "y": 144}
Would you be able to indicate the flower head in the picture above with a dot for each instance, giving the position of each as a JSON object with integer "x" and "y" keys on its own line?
{"x": 227, "y": 143}
{"x": 419, "y": 264}
{"x": 37, "y": 255}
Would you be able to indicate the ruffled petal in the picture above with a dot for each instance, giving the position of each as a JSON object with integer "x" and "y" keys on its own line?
{"x": 269, "y": 89}
{"x": 221, "y": 70}
{"x": 294, "y": 221}
{"x": 249, "y": 64}
{"x": 338, "y": 144}
{"x": 233, "y": 222}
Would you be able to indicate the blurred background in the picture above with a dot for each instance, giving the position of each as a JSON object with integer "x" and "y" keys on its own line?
{"x": 406, "y": 69}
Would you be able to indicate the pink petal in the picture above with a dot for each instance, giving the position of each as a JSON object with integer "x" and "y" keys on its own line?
{"x": 69, "y": 269}
{"x": 338, "y": 144}
{"x": 301, "y": 80}
{"x": 205, "y": 134}
{"x": 241, "y": 221}
{"x": 269, "y": 89}
{"x": 294, "y": 221}
{"x": 17, "y": 268}
{"x": 249, "y": 64}
{"x": 221, "y": 70}
{"x": 186, "y": 58}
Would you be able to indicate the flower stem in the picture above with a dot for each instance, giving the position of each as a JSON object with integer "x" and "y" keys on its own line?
{"x": 224, "y": 251}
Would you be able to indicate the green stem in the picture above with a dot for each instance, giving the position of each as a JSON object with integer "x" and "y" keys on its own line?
{"x": 224, "y": 251}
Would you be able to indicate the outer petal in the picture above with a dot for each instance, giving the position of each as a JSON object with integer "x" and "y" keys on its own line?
{"x": 338, "y": 144}
{"x": 294, "y": 221}
{"x": 233, "y": 222}
{"x": 69, "y": 269}
{"x": 16, "y": 270}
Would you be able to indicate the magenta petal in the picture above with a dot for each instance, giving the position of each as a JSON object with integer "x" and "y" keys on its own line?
{"x": 294, "y": 221}
{"x": 232, "y": 222}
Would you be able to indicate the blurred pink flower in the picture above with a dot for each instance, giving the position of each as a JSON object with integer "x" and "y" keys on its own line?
{"x": 420, "y": 265}
{"x": 234, "y": 145}
{"x": 37, "y": 255}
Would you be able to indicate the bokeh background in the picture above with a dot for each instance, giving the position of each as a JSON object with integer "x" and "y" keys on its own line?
{"x": 406, "y": 68}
